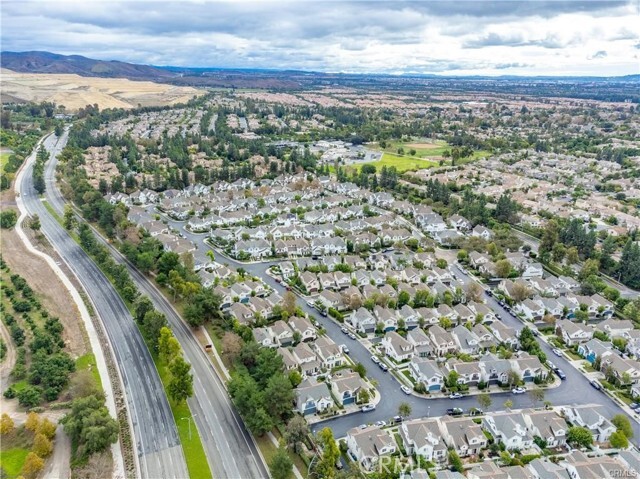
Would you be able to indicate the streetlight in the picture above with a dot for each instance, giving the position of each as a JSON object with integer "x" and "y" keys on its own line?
{"x": 428, "y": 411}
{"x": 188, "y": 419}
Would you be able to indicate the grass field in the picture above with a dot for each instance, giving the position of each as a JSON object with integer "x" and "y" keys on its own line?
{"x": 192, "y": 447}
{"x": 402, "y": 163}
{"x": 4, "y": 157}
{"x": 88, "y": 361}
{"x": 12, "y": 460}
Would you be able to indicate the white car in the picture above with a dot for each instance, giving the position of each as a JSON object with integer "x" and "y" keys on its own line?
{"x": 367, "y": 408}
{"x": 344, "y": 348}
{"x": 311, "y": 304}
{"x": 557, "y": 352}
{"x": 380, "y": 423}
{"x": 455, "y": 396}
{"x": 519, "y": 390}
{"x": 405, "y": 389}
{"x": 375, "y": 359}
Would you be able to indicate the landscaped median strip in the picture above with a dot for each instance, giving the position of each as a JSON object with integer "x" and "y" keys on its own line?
{"x": 189, "y": 435}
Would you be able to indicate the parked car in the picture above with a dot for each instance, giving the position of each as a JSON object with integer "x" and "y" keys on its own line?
{"x": 367, "y": 407}
{"x": 489, "y": 293}
{"x": 380, "y": 423}
{"x": 375, "y": 359}
{"x": 323, "y": 313}
{"x": 362, "y": 426}
{"x": 551, "y": 365}
{"x": 475, "y": 411}
{"x": 455, "y": 411}
{"x": 595, "y": 384}
{"x": 383, "y": 366}
{"x": 397, "y": 419}
{"x": 518, "y": 390}
{"x": 557, "y": 352}
{"x": 311, "y": 303}
{"x": 278, "y": 280}
{"x": 561, "y": 374}
{"x": 352, "y": 336}
{"x": 344, "y": 348}
{"x": 344, "y": 330}
{"x": 455, "y": 396}
{"x": 405, "y": 389}
{"x": 535, "y": 332}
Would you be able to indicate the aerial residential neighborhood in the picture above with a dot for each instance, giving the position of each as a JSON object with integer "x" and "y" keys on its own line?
{"x": 302, "y": 240}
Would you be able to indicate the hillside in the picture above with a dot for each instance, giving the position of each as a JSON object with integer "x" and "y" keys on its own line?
{"x": 45, "y": 62}
{"x": 74, "y": 91}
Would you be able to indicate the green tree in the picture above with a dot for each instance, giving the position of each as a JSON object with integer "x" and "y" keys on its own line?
{"x": 484, "y": 400}
{"x": 168, "y": 346}
{"x": 29, "y": 397}
{"x": 296, "y": 431}
{"x": 180, "y": 386}
{"x": 618, "y": 440}
{"x": 326, "y": 467}
{"x": 404, "y": 409}
{"x": 69, "y": 219}
{"x": 622, "y": 423}
{"x": 503, "y": 268}
{"x": 281, "y": 465}
{"x": 8, "y": 218}
{"x": 90, "y": 426}
{"x": 141, "y": 307}
{"x": 579, "y": 436}
{"x": 152, "y": 324}
{"x": 455, "y": 462}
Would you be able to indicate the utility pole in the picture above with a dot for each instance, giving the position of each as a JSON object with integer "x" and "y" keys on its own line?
{"x": 188, "y": 419}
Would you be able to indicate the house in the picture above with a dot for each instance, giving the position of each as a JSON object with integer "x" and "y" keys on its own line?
{"x": 593, "y": 418}
{"x": 615, "y": 328}
{"x": 328, "y": 352}
{"x": 396, "y": 347}
{"x": 486, "y": 340}
{"x": 594, "y": 349}
{"x": 422, "y": 438}
{"x": 442, "y": 340}
{"x": 331, "y": 299}
{"x": 547, "y": 425}
{"x": 303, "y": 327}
{"x": 241, "y": 313}
{"x": 421, "y": 344}
{"x": 287, "y": 270}
{"x": 427, "y": 372}
{"x": 504, "y": 334}
{"x": 462, "y": 435}
{"x": 625, "y": 371}
{"x": 313, "y": 397}
{"x": 481, "y": 232}
{"x": 369, "y": 444}
{"x": 460, "y": 222}
{"x": 387, "y": 317}
{"x": 310, "y": 282}
{"x": 528, "y": 367}
{"x": 574, "y": 333}
{"x": 495, "y": 370}
{"x": 531, "y": 310}
{"x": 466, "y": 341}
{"x": 468, "y": 373}
{"x": 545, "y": 469}
{"x": 282, "y": 332}
{"x": 510, "y": 429}
{"x": 580, "y": 466}
{"x": 256, "y": 249}
{"x": 363, "y": 321}
{"x": 345, "y": 386}
{"x": 265, "y": 337}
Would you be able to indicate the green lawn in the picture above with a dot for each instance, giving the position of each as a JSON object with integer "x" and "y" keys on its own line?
{"x": 88, "y": 361}
{"x": 4, "y": 157}
{"x": 192, "y": 447}
{"x": 12, "y": 460}
{"x": 402, "y": 163}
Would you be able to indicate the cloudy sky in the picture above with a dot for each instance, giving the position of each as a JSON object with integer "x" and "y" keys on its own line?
{"x": 444, "y": 37}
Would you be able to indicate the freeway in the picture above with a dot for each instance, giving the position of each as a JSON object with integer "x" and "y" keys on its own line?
{"x": 156, "y": 439}
{"x": 230, "y": 449}
{"x": 575, "y": 390}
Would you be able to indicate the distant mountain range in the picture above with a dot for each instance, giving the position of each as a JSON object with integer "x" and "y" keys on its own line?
{"x": 46, "y": 62}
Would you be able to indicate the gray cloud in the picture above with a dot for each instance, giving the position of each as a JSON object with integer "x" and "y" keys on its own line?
{"x": 428, "y": 36}
{"x": 598, "y": 54}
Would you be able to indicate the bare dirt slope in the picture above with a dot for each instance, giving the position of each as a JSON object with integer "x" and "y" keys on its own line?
{"x": 74, "y": 91}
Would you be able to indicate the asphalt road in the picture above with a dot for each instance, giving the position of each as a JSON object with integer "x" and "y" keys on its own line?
{"x": 230, "y": 449}
{"x": 157, "y": 442}
{"x": 575, "y": 390}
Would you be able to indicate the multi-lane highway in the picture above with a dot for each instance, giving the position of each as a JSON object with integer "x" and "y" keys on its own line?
{"x": 230, "y": 449}
{"x": 156, "y": 439}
